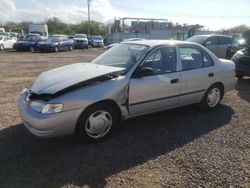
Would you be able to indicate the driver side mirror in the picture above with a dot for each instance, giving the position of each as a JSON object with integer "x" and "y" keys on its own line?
{"x": 143, "y": 71}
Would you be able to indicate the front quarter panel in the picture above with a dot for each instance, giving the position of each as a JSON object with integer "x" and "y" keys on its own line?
{"x": 115, "y": 90}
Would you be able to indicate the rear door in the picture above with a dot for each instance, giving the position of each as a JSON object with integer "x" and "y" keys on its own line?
{"x": 212, "y": 44}
{"x": 223, "y": 45}
{"x": 197, "y": 74}
{"x": 161, "y": 89}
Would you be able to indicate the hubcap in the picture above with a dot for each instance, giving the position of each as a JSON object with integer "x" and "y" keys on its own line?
{"x": 98, "y": 124}
{"x": 213, "y": 97}
{"x": 32, "y": 49}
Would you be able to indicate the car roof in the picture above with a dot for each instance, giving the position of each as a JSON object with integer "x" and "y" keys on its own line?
{"x": 153, "y": 43}
{"x": 216, "y": 35}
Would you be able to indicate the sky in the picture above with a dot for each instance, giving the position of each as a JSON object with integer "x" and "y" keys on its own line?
{"x": 213, "y": 14}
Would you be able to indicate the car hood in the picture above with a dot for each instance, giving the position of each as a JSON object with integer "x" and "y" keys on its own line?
{"x": 81, "y": 39}
{"x": 97, "y": 40}
{"x": 47, "y": 43}
{"x": 62, "y": 78}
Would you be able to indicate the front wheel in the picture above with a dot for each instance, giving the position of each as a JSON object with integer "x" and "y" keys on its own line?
{"x": 70, "y": 48}
{"x": 56, "y": 49}
{"x": 239, "y": 76}
{"x": 97, "y": 122}
{"x": 212, "y": 97}
{"x": 1, "y": 48}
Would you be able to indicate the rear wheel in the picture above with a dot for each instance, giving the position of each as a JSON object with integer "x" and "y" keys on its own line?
{"x": 70, "y": 48}
{"x": 97, "y": 122}
{"x": 212, "y": 97}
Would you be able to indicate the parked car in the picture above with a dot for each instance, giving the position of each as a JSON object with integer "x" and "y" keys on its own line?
{"x": 129, "y": 80}
{"x": 81, "y": 41}
{"x": 30, "y": 43}
{"x": 218, "y": 44}
{"x": 97, "y": 41}
{"x": 6, "y": 42}
{"x": 242, "y": 62}
{"x": 125, "y": 40}
{"x": 56, "y": 44}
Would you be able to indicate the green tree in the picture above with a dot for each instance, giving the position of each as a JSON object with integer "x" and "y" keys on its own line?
{"x": 238, "y": 29}
{"x": 56, "y": 26}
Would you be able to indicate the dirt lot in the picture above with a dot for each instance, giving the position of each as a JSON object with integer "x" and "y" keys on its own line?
{"x": 184, "y": 147}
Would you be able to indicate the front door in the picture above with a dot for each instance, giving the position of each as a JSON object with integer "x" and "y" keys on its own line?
{"x": 160, "y": 90}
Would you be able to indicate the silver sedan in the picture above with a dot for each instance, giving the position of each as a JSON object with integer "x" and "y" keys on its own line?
{"x": 129, "y": 80}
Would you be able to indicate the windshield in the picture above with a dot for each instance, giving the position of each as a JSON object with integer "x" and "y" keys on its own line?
{"x": 122, "y": 55}
{"x": 53, "y": 39}
{"x": 198, "y": 39}
{"x": 32, "y": 38}
{"x": 80, "y": 36}
{"x": 97, "y": 38}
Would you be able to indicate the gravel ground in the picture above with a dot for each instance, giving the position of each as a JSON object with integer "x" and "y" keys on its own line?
{"x": 183, "y": 147}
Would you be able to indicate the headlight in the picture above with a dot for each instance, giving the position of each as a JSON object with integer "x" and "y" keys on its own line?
{"x": 52, "y": 108}
{"x": 44, "y": 108}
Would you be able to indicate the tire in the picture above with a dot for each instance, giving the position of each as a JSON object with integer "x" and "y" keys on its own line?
{"x": 104, "y": 121}
{"x": 56, "y": 49}
{"x": 32, "y": 49}
{"x": 212, "y": 97}
{"x": 1, "y": 47}
{"x": 239, "y": 76}
{"x": 87, "y": 47}
{"x": 70, "y": 48}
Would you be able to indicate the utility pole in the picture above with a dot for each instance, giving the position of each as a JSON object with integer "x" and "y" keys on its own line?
{"x": 89, "y": 17}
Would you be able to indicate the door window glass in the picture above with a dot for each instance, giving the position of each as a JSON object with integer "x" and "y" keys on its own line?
{"x": 224, "y": 40}
{"x": 162, "y": 60}
{"x": 192, "y": 58}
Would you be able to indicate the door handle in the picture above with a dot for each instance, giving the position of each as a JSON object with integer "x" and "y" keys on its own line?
{"x": 211, "y": 74}
{"x": 174, "y": 81}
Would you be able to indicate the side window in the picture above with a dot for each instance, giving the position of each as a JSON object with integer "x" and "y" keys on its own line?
{"x": 191, "y": 58}
{"x": 211, "y": 41}
{"x": 224, "y": 40}
{"x": 162, "y": 60}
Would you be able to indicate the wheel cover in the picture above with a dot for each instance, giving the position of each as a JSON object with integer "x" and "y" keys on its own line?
{"x": 32, "y": 49}
{"x": 1, "y": 47}
{"x": 213, "y": 97}
{"x": 98, "y": 124}
{"x": 56, "y": 49}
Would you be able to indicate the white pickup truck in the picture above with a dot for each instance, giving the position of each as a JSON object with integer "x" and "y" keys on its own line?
{"x": 81, "y": 41}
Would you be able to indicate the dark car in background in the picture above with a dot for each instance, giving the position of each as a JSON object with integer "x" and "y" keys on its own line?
{"x": 218, "y": 44}
{"x": 29, "y": 44}
{"x": 242, "y": 62}
{"x": 56, "y": 44}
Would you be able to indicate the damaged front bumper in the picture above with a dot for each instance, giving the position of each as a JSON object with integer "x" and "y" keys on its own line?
{"x": 43, "y": 125}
